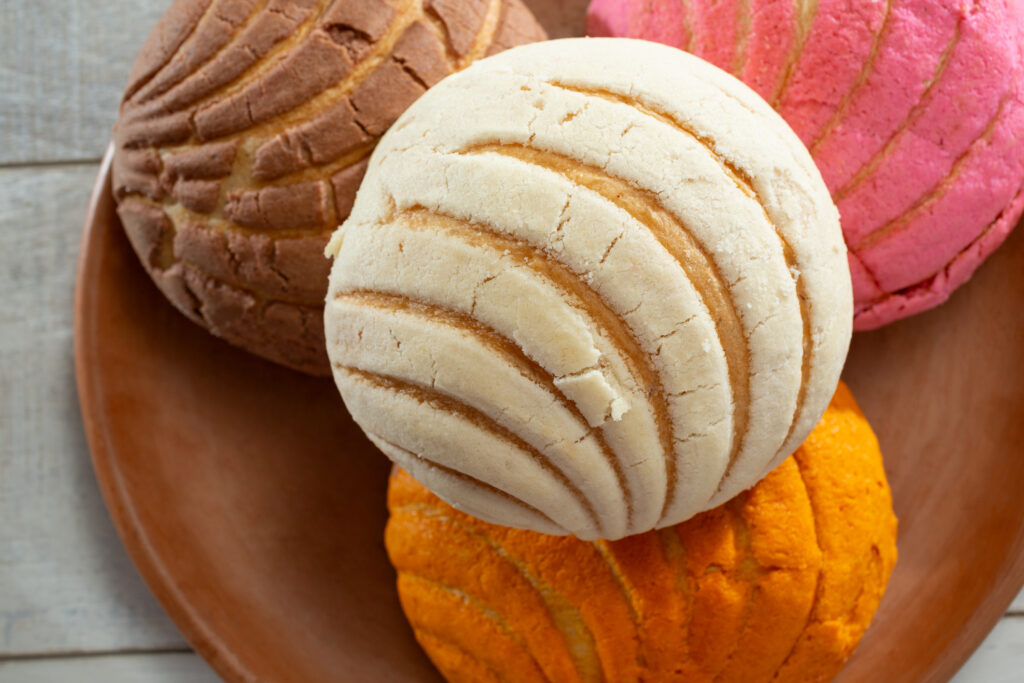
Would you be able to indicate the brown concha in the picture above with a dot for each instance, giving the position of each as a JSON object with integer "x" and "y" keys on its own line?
{"x": 244, "y": 134}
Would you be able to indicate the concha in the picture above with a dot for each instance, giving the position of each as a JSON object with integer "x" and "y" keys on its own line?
{"x": 590, "y": 287}
{"x": 245, "y": 131}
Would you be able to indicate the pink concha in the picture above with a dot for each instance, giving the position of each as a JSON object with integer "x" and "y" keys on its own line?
{"x": 912, "y": 109}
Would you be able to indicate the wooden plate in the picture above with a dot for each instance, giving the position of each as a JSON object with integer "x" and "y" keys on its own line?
{"x": 254, "y": 507}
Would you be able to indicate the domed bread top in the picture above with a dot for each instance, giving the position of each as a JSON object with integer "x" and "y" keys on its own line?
{"x": 779, "y": 584}
{"x": 589, "y": 287}
{"x": 245, "y": 131}
{"x": 913, "y": 111}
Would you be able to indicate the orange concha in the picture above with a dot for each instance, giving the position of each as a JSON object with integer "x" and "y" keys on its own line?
{"x": 778, "y": 584}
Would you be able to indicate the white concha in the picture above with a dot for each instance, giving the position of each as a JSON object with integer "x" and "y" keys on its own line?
{"x": 589, "y": 286}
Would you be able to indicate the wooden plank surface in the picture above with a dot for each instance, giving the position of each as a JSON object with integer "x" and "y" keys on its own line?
{"x": 66, "y": 584}
{"x": 63, "y": 66}
{"x": 1000, "y": 659}
{"x": 135, "y": 668}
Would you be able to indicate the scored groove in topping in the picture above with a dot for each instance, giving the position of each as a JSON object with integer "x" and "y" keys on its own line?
{"x": 489, "y": 495}
{"x": 745, "y": 570}
{"x": 867, "y": 68}
{"x": 429, "y": 618}
{"x": 664, "y": 117}
{"x": 819, "y": 586}
{"x": 689, "y": 24}
{"x": 445, "y": 404}
{"x": 390, "y": 306}
{"x": 160, "y": 47}
{"x": 579, "y": 639}
{"x": 803, "y": 19}
{"x": 938, "y": 190}
{"x": 485, "y": 35}
{"x": 627, "y": 592}
{"x": 675, "y": 553}
{"x": 871, "y": 165}
{"x": 803, "y": 299}
{"x": 210, "y": 43}
{"x": 743, "y": 28}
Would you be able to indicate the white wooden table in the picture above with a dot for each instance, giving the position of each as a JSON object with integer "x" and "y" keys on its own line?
{"x": 72, "y": 607}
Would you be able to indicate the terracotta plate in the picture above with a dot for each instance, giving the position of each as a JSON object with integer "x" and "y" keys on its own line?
{"x": 254, "y": 508}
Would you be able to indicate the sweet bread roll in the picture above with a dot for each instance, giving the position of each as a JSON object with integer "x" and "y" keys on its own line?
{"x": 779, "y": 584}
{"x": 590, "y": 287}
{"x": 244, "y": 134}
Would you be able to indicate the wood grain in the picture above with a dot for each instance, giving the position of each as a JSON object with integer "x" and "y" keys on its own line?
{"x": 63, "y": 67}
{"x": 65, "y": 580}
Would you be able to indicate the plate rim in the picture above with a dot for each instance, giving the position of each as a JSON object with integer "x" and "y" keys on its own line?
{"x": 118, "y": 502}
